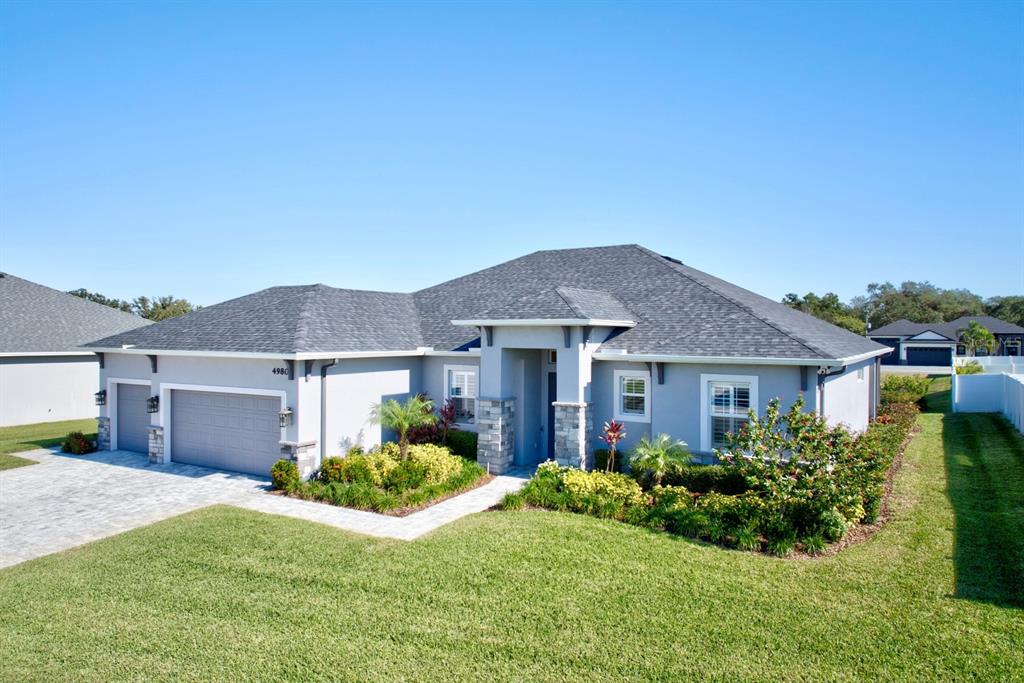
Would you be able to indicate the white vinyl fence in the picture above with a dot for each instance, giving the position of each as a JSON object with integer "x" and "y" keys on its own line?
{"x": 1011, "y": 364}
{"x": 1002, "y": 393}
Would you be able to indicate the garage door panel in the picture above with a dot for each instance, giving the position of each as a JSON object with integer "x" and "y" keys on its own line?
{"x": 225, "y": 431}
{"x": 132, "y": 418}
{"x": 929, "y": 356}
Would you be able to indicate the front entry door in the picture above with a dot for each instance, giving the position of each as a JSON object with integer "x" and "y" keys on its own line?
{"x": 552, "y": 393}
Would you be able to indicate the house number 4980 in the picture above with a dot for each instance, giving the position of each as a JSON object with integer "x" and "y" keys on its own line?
{"x": 280, "y": 371}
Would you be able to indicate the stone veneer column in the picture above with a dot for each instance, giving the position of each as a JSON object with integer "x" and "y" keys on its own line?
{"x": 574, "y": 434}
{"x": 496, "y": 432}
{"x": 305, "y": 454}
{"x": 103, "y": 433}
{"x": 156, "y": 444}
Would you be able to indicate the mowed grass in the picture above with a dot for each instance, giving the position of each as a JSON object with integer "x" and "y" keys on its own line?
{"x": 229, "y": 594}
{"x": 42, "y": 435}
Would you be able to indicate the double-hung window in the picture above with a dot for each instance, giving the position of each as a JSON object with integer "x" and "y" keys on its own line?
{"x": 727, "y": 401}
{"x": 632, "y": 396}
{"x": 460, "y": 388}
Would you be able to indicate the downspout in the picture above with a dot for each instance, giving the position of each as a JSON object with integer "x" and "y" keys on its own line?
{"x": 323, "y": 407}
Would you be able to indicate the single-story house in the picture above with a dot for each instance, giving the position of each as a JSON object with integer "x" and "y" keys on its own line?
{"x": 537, "y": 352}
{"x": 44, "y": 374}
{"x": 937, "y": 344}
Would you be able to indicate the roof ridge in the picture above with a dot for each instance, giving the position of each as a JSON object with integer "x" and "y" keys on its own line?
{"x": 572, "y": 307}
{"x": 304, "y": 316}
{"x": 676, "y": 267}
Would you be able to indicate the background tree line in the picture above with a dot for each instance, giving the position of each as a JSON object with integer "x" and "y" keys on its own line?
{"x": 920, "y": 302}
{"x": 157, "y": 308}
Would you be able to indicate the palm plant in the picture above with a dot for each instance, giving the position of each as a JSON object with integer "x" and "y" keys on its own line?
{"x": 976, "y": 336}
{"x": 656, "y": 455}
{"x": 416, "y": 411}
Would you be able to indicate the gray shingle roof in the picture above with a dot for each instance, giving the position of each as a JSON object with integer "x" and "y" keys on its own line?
{"x": 678, "y": 311}
{"x": 560, "y": 303}
{"x": 37, "y": 319}
{"x": 950, "y": 330}
{"x": 305, "y": 318}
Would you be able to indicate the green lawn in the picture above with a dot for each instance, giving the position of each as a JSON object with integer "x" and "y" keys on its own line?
{"x": 42, "y": 435}
{"x": 229, "y": 594}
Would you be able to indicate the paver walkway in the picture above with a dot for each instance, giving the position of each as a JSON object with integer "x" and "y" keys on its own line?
{"x": 66, "y": 501}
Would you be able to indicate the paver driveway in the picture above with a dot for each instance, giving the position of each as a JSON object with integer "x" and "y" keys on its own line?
{"x": 66, "y": 501}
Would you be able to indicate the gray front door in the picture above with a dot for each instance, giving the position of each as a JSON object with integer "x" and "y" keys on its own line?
{"x": 235, "y": 432}
{"x": 132, "y": 418}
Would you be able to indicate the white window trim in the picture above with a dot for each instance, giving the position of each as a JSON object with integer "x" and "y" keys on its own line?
{"x": 112, "y": 383}
{"x": 705, "y": 413}
{"x": 617, "y": 396}
{"x": 165, "y": 406}
{"x": 448, "y": 370}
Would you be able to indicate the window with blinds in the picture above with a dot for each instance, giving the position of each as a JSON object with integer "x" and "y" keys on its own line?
{"x": 729, "y": 405}
{"x": 461, "y": 390}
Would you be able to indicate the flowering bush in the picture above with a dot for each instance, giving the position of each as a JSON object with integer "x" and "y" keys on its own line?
{"x": 284, "y": 474}
{"x": 76, "y": 443}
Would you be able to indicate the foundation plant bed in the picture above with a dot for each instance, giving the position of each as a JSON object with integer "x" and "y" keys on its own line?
{"x": 382, "y": 480}
{"x": 787, "y": 483}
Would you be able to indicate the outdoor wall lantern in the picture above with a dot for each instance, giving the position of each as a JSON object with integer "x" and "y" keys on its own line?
{"x": 284, "y": 417}
{"x": 152, "y": 404}
{"x": 101, "y": 397}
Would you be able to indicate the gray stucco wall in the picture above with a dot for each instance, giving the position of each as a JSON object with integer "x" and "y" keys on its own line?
{"x": 847, "y": 398}
{"x": 675, "y": 405}
{"x": 353, "y": 385}
{"x": 47, "y": 388}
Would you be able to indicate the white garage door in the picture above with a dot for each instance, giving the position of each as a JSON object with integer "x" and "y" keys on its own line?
{"x": 132, "y": 418}
{"x": 235, "y": 432}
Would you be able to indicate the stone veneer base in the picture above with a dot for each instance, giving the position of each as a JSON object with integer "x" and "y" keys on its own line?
{"x": 496, "y": 433}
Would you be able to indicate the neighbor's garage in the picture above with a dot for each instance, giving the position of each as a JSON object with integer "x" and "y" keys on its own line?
{"x": 235, "y": 432}
{"x": 132, "y": 418}
{"x": 920, "y": 355}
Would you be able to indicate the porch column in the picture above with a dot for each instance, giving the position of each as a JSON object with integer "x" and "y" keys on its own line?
{"x": 574, "y": 412}
{"x": 495, "y": 418}
{"x": 574, "y": 434}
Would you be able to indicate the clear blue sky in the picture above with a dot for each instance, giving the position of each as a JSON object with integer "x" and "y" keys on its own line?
{"x": 207, "y": 150}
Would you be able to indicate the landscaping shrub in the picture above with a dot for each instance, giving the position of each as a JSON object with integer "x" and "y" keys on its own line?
{"x": 784, "y": 477}
{"x": 437, "y": 462}
{"x": 284, "y": 474}
{"x": 813, "y": 545}
{"x": 381, "y": 481}
{"x": 462, "y": 444}
{"x": 904, "y": 388}
{"x": 705, "y": 478}
{"x": 331, "y": 469}
{"x": 77, "y": 443}
{"x": 970, "y": 368}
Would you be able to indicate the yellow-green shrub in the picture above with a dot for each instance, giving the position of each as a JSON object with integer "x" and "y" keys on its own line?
{"x": 612, "y": 485}
{"x": 370, "y": 469}
{"x": 437, "y": 462}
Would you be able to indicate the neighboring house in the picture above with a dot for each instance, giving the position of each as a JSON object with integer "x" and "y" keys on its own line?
{"x": 936, "y": 344}
{"x": 538, "y": 352}
{"x": 44, "y": 374}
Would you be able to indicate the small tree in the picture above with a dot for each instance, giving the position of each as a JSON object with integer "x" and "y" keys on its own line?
{"x": 976, "y": 336}
{"x": 612, "y": 433}
{"x": 655, "y": 456}
{"x": 417, "y": 411}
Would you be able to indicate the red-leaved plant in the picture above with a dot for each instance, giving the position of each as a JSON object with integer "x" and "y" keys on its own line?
{"x": 612, "y": 433}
